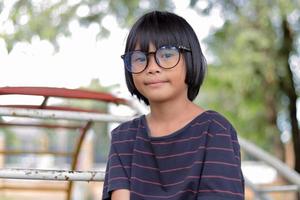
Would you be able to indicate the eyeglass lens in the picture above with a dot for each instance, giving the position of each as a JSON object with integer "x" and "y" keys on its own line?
{"x": 165, "y": 57}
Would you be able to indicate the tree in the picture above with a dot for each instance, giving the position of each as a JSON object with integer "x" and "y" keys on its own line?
{"x": 254, "y": 53}
{"x": 49, "y": 19}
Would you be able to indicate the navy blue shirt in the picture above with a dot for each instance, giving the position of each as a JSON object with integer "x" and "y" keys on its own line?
{"x": 199, "y": 161}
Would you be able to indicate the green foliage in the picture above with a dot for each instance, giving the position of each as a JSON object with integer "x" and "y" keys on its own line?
{"x": 49, "y": 19}
{"x": 243, "y": 80}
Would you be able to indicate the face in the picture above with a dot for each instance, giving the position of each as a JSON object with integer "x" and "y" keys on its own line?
{"x": 161, "y": 85}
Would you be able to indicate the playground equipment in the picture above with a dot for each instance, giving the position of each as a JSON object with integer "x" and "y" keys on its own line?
{"x": 43, "y": 111}
{"x": 57, "y": 113}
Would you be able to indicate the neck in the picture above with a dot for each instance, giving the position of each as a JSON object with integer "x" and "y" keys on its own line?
{"x": 168, "y": 111}
{"x": 167, "y": 117}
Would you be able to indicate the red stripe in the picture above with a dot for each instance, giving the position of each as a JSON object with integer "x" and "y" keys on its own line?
{"x": 127, "y": 129}
{"x": 183, "y": 140}
{"x": 120, "y": 166}
{"x": 175, "y": 141}
{"x": 184, "y": 191}
{"x": 221, "y": 177}
{"x": 223, "y": 134}
{"x": 145, "y": 167}
{"x": 200, "y": 123}
{"x": 226, "y": 135}
{"x": 124, "y": 130}
{"x": 120, "y": 154}
{"x": 143, "y": 152}
{"x": 165, "y": 185}
{"x": 177, "y": 169}
{"x": 222, "y": 191}
{"x": 185, "y": 153}
{"x": 186, "y": 178}
{"x": 218, "y": 162}
{"x": 163, "y": 197}
{"x": 123, "y": 141}
{"x": 141, "y": 138}
{"x": 220, "y": 124}
{"x": 145, "y": 181}
{"x": 175, "y": 155}
{"x": 219, "y": 148}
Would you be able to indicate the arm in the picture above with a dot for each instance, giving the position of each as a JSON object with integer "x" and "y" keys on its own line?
{"x": 121, "y": 194}
{"x": 116, "y": 176}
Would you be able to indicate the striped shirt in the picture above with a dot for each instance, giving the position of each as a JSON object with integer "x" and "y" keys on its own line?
{"x": 199, "y": 161}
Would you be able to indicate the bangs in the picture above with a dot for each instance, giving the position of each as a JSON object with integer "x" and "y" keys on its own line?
{"x": 156, "y": 36}
{"x": 165, "y": 32}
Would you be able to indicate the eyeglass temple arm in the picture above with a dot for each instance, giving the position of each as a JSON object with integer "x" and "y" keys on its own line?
{"x": 184, "y": 48}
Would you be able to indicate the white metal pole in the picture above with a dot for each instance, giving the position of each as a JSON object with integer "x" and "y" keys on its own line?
{"x": 55, "y": 175}
{"x": 281, "y": 167}
{"x": 58, "y": 114}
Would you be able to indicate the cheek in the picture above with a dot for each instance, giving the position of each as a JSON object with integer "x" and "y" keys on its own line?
{"x": 181, "y": 74}
{"x": 137, "y": 81}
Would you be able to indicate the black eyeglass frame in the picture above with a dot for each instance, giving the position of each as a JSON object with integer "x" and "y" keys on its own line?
{"x": 180, "y": 49}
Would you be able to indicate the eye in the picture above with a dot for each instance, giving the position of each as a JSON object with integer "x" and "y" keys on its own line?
{"x": 138, "y": 57}
{"x": 167, "y": 53}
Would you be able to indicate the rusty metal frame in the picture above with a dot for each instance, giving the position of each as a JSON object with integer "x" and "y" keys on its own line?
{"x": 47, "y": 92}
{"x": 76, "y": 154}
{"x": 56, "y": 112}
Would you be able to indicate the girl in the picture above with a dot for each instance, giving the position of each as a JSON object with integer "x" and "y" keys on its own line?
{"x": 179, "y": 150}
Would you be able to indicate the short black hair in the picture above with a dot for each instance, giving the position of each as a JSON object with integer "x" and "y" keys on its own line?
{"x": 165, "y": 28}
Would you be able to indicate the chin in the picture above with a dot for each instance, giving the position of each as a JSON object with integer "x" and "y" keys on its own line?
{"x": 158, "y": 100}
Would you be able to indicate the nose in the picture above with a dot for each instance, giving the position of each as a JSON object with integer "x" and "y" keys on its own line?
{"x": 152, "y": 66}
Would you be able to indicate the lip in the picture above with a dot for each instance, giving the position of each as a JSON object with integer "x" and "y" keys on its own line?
{"x": 155, "y": 82}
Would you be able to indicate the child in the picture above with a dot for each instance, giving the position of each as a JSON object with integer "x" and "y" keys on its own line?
{"x": 179, "y": 150}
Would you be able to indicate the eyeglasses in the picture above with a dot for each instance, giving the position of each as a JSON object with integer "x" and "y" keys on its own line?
{"x": 166, "y": 57}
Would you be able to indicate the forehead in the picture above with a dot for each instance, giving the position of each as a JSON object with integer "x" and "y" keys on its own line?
{"x": 152, "y": 38}
{"x": 149, "y": 47}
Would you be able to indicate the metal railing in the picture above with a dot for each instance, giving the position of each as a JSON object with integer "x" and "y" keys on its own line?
{"x": 54, "y": 175}
{"x": 285, "y": 171}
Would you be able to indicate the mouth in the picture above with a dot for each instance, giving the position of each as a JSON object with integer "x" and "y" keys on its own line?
{"x": 155, "y": 82}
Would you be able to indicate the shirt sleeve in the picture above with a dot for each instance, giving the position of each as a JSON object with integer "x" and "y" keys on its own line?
{"x": 115, "y": 175}
{"x": 221, "y": 175}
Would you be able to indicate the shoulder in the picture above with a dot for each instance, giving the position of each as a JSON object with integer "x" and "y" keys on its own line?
{"x": 218, "y": 122}
{"x": 222, "y": 132}
{"x": 220, "y": 127}
{"x": 126, "y": 129}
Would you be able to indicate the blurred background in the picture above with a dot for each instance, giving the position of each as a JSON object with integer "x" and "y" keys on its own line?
{"x": 253, "y": 53}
